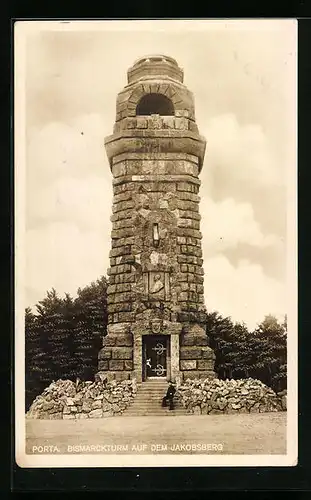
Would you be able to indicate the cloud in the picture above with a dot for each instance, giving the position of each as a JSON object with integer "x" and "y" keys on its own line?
{"x": 244, "y": 292}
{"x": 228, "y": 223}
{"x": 240, "y": 153}
{"x": 69, "y": 196}
{"x": 240, "y": 163}
{"x": 67, "y": 149}
{"x": 84, "y": 202}
{"x": 240, "y": 84}
{"x": 62, "y": 256}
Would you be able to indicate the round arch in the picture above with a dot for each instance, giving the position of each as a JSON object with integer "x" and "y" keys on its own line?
{"x": 153, "y": 103}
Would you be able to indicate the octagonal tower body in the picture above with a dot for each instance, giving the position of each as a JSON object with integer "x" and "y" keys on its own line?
{"x": 156, "y": 312}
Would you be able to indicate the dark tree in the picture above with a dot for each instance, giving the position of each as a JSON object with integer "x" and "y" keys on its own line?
{"x": 241, "y": 354}
{"x": 91, "y": 326}
{"x": 63, "y": 339}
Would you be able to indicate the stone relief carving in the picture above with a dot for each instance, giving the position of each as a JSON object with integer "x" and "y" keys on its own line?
{"x": 157, "y": 284}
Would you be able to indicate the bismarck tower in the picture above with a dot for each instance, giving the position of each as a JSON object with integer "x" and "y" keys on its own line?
{"x": 156, "y": 312}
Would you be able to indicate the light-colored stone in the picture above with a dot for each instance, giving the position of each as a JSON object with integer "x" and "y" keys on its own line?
{"x": 98, "y": 413}
{"x": 188, "y": 364}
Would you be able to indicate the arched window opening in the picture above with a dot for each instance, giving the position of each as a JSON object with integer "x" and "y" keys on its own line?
{"x": 152, "y": 104}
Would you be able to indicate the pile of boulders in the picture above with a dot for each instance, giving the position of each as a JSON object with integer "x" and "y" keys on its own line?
{"x": 65, "y": 399}
{"x": 214, "y": 396}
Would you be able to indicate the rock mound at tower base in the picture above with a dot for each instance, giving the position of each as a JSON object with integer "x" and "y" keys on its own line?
{"x": 214, "y": 396}
{"x": 67, "y": 400}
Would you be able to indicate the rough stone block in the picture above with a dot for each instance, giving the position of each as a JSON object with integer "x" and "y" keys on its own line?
{"x": 122, "y": 353}
{"x": 124, "y": 340}
{"x": 185, "y": 286}
{"x": 189, "y": 306}
{"x": 120, "y": 188}
{"x": 190, "y": 339}
{"x": 122, "y": 233}
{"x": 122, "y": 250}
{"x": 141, "y": 123}
{"x": 131, "y": 123}
{"x": 122, "y": 205}
{"x": 121, "y": 297}
{"x": 104, "y": 353}
{"x": 115, "y": 365}
{"x": 103, "y": 364}
{"x": 124, "y": 196}
{"x": 205, "y": 364}
{"x": 120, "y": 307}
{"x": 125, "y": 278}
{"x": 189, "y": 196}
{"x": 198, "y": 270}
{"x": 185, "y": 231}
{"x": 124, "y": 375}
{"x": 118, "y": 170}
{"x": 122, "y": 224}
{"x": 128, "y": 365}
{"x": 207, "y": 352}
{"x": 190, "y": 353}
{"x": 168, "y": 122}
{"x": 125, "y": 317}
{"x": 98, "y": 413}
{"x": 191, "y": 223}
{"x": 181, "y": 123}
{"x": 198, "y": 374}
{"x": 188, "y": 364}
{"x": 123, "y": 242}
{"x": 188, "y": 214}
{"x": 182, "y": 296}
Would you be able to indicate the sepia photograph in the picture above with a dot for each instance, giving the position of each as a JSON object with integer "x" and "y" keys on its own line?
{"x": 155, "y": 243}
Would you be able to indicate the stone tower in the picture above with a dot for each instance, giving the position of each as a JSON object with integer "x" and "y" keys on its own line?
{"x": 156, "y": 312}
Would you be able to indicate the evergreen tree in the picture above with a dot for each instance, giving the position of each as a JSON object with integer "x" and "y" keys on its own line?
{"x": 91, "y": 326}
{"x": 49, "y": 324}
{"x": 271, "y": 343}
{"x": 220, "y": 331}
{"x": 68, "y": 335}
{"x": 33, "y": 354}
{"x": 241, "y": 354}
{"x": 63, "y": 339}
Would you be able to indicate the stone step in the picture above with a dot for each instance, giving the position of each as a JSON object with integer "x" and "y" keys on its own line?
{"x": 148, "y": 401}
{"x": 154, "y": 414}
{"x": 149, "y": 397}
{"x": 156, "y": 402}
{"x": 152, "y": 406}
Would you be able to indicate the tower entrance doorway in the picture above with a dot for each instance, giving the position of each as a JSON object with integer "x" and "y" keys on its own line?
{"x": 155, "y": 354}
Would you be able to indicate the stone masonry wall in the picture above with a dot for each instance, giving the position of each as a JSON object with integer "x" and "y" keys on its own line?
{"x": 163, "y": 190}
{"x": 66, "y": 400}
{"x": 181, "y": 121}
{"x": 171, "y": 201}
{"x": 207, "y": 397}
{"x": 156, "y": 265}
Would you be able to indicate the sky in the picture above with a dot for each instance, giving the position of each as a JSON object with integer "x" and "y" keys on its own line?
{"x": 243, "y": 77}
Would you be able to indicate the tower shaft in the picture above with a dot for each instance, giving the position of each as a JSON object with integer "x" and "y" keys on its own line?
{"x": 156, "y": 311}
